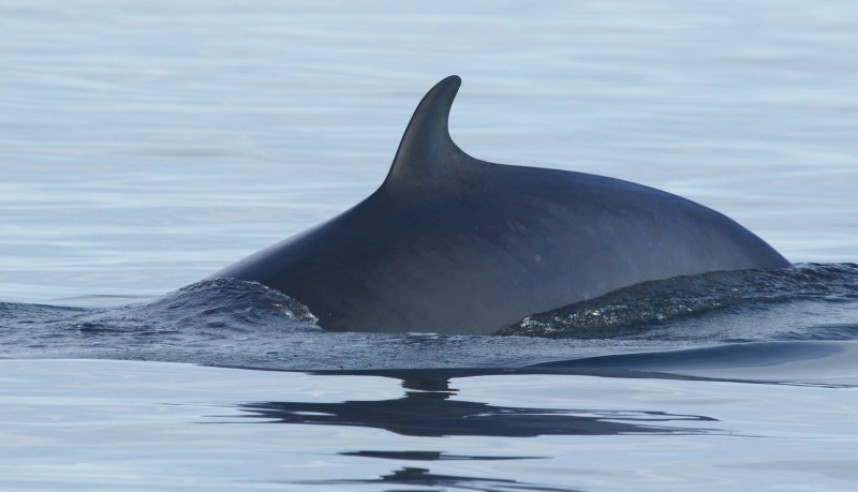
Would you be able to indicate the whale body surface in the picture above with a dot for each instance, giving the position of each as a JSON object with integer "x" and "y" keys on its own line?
{"x": 451, "y": 244}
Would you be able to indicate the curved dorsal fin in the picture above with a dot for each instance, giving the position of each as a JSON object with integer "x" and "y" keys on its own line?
{"x": 426, "y": 151}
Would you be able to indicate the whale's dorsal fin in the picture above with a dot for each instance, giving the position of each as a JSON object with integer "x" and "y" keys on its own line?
{"x": 426, "y": 152}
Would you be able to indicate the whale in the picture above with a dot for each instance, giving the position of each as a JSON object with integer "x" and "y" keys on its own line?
{"x": 452, "y": 244}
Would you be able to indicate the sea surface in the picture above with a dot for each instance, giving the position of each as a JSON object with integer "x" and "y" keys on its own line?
{"x": 146, "y": 145}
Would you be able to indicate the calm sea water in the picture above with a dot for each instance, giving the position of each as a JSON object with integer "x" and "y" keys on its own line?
{"x": 143, "y": 146}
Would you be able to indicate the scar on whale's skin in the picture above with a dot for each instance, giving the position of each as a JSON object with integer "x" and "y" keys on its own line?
{"x": 452, "y": 244}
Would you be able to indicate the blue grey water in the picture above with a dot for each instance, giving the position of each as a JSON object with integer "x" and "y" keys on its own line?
{"x": 145, "y": 145}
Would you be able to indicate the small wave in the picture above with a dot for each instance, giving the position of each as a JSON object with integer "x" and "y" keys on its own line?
{"x": 244, "y": 324}
{"x": 824, "y": 332}
{"x": 217, "y": 310}
{"x": 227, "y": 305}
{"x": 645, "y": 307}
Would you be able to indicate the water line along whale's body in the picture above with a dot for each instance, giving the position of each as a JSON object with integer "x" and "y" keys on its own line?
{"x": 452, "y": 244}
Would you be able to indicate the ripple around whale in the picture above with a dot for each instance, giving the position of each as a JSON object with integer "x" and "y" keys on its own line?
{"x": 729, "y": 318}
{"x": 639, "y": 309}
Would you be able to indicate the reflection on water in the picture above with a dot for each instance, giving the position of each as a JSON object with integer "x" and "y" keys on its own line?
{"x": 428, "y": 409}
{"x": 130, "y": 423}
{"x": 421, "y": 476}
{"x": 429, "y": 456}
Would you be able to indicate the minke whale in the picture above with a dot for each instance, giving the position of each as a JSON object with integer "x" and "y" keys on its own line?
{"x": 452, "y": 244}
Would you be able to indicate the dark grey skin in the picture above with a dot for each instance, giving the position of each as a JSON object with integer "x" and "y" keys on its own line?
{"x": 451, "y": 244}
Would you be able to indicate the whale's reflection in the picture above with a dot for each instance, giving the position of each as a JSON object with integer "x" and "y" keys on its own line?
{"x": 430, "y": 456}
{"x": 427, "y": 409}
{"x": 412, "y": 476}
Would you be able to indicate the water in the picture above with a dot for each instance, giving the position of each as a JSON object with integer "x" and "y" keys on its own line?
{"x": 177, "y": 427}
{"x": 143, "y": 147}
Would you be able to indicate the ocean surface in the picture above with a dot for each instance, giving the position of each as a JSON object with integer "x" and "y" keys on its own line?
{"x": 146, "y": 145}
